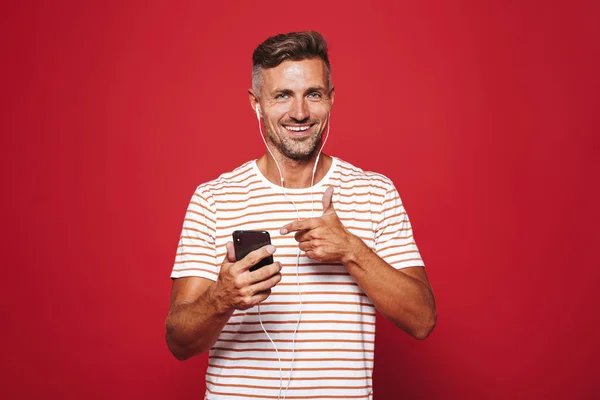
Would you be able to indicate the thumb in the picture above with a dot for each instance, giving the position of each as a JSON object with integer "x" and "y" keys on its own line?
{"x": 230, "y": 256}
{"x": 327, "y": 202}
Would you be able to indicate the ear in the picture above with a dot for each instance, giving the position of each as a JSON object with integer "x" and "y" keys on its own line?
{"x": 332, "y": 96}
{"x": 253, "y": 100}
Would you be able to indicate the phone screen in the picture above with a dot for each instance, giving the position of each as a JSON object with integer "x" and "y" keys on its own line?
{"x": 245, "y": 242}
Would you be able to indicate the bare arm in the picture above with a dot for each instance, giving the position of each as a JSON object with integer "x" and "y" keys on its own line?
{"x": 200, "y": 308}
{"x": 403, "y": 296}
{"x": 195, "y": 319}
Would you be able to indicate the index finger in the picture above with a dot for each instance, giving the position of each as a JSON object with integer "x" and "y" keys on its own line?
{"x": 304, "y": 225}
{"x": 254, "y": 257}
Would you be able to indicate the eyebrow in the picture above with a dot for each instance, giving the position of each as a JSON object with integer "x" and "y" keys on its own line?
{"x": 315, "y": 89}
{"x": 282, "y": 91}
{"x": 290, "y": 92}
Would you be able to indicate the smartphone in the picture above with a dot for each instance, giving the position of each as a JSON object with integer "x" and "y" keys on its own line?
{"x": 245, "y": 242}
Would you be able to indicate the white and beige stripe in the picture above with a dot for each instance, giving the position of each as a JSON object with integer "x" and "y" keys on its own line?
{"x": 334, "y": 346}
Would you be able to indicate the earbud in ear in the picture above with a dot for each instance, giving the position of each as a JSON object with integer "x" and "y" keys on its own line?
{"x": 257, "y": 112}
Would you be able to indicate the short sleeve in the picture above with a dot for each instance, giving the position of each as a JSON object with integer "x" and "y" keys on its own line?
{"x": 394, "y": 240}
{"x": 196, "y": 252}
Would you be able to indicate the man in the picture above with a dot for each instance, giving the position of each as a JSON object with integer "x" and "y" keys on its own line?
{"x": 341, "y": 241}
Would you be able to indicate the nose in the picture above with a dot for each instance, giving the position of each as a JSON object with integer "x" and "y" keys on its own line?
{"x": 299, "y": 110}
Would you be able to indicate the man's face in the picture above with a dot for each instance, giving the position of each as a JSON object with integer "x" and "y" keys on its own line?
{"x": 295, "y": 102}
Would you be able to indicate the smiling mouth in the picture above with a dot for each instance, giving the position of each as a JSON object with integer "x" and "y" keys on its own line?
{"x": 298, "y": 128}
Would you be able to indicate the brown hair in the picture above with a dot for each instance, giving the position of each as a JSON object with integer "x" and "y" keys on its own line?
{"x": 293, "y": 46}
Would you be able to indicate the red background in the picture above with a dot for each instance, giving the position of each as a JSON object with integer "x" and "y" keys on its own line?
{"x": 486, "y": 116}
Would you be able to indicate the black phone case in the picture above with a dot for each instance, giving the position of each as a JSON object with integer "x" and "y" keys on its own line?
{"x": 245, "y": 242}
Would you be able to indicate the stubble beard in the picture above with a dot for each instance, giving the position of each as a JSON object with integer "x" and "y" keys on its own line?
{"x": 296, "y": 149}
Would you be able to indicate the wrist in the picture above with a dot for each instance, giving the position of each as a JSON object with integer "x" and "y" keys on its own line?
{"x": 356, "y": 247}
{"x": 221, "y": 307}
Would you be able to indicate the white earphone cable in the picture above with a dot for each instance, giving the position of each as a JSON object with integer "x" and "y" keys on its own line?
{"x": 297, "y": 257}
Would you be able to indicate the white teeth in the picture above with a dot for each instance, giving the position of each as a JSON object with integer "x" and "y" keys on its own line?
{"x": 297, "y": 128}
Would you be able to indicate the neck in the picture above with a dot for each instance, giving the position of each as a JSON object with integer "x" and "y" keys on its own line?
{"x": 296, "y": 174}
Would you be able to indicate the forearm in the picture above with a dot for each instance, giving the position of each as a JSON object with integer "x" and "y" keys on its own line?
{"x": 406, "y": 301}
{"x": 192, "y": 328}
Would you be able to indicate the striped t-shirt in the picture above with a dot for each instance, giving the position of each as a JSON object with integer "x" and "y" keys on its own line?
{"x": 333, "y": 351}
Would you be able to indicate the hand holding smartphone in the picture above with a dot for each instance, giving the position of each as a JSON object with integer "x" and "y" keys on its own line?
{"x": 245, "y": 242}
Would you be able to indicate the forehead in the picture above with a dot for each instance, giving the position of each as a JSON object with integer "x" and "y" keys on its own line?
{"x": 296, "y": 75}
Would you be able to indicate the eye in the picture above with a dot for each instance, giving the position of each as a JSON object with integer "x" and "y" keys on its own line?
{"x": 281, "y": 96}
{"x": 315, "y": 95}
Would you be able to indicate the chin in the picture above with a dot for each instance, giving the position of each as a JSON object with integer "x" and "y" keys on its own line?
{"x": 300, "y": 156}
